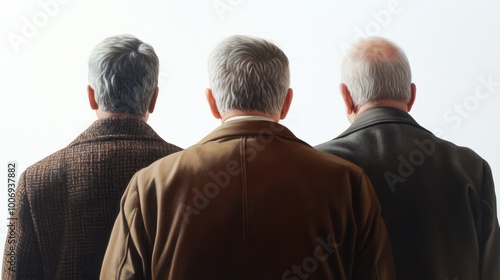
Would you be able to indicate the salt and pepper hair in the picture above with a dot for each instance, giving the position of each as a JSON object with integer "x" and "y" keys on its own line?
{"x": 123, "y": 71}
{"x": 376, "y": 69}
{"x": 248, "y": 73}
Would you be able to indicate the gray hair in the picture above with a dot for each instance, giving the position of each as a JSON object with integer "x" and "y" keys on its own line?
{"x": 376, "y": 69}
{"x": 123, "y": 71}
{"x": 248, "y": 73}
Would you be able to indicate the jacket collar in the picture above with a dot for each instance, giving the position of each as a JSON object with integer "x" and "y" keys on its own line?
{"x": 115, "y": 129}
{"x": 250, "y": 128}
{"x": 380, "y": 115}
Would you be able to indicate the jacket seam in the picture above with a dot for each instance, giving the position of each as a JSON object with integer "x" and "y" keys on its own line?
{"x": 124, "y": 258}
{"x": 244, "y": 194}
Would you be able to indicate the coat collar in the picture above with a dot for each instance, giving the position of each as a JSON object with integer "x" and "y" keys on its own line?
{"x": 115, "y": 129}
{"x": 247, "y": 128}
{"x": 380, "y": 115}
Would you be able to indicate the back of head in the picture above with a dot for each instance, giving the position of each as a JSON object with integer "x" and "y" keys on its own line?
{"x": 249, "y": 74}
{"x": 123, "y": 71}
{"x": 376, "y": 69}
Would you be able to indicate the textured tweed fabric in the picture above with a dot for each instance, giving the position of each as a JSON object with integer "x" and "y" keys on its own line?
{"x": 67, "y": 203}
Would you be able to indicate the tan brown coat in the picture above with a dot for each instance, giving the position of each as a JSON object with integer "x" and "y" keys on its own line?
{"x": 249, "y": 201}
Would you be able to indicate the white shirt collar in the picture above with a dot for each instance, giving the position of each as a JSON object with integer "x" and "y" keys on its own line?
{"x": 248, "y": 118}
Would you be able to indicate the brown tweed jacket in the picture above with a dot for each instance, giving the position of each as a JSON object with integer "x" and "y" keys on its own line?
{"x": 67, "y": 203}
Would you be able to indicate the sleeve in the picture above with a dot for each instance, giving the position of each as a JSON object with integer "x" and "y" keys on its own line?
{"x": 22, "y": 258}
{"x": 489, "y": 230}
{"x": 373, "y": 257}
{"x": 128, "y": 255}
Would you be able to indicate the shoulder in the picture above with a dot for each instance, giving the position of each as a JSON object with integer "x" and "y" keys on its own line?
{"x": 165, "y": 165}
{"x": 346, "y": 147}
{"x": 461, "y": 154}
{"x": 326, "y": 146}
{"x": 43, "y": 182}
{"x": 171, "y": 147}
{"x": 47, "y": 165}
{"x": 333, "y": 165}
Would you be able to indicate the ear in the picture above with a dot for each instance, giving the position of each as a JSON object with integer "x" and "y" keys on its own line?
{"x": 152, "y": 103}
{"x": 346, "y": 96}
{"x": 413, "y": 97}
{"x": 91, "y": 96}
{"x": 286, "y": 104}
{"x": 212, "y": 104}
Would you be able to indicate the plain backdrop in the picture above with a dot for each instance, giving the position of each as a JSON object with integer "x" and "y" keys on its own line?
{"x": 453, "y": 48}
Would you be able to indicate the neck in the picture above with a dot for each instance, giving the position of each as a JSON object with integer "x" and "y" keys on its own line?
{"x": 383, "y": 103}
{"x": 236, "y": 113}
{"x": 104, "y": 115}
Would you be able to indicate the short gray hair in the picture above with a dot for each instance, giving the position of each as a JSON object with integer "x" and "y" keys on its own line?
{"x": 376, "y": 69}
{"x": 123, "y": 71}
{"x": 248, "y": 73}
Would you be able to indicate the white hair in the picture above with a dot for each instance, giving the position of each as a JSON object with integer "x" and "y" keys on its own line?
{"x": 248, "y": 73}
{"x": 123, "y": 71}
{"x": 376, "y": 69}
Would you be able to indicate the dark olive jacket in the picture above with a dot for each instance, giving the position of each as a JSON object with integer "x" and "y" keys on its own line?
{"x": 66, "y": 204}
{"x": 249, "y": 201}
{"x": 438, "y": 199}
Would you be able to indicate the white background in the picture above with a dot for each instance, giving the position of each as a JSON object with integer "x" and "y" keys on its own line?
{"x": 453, "y": 48}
